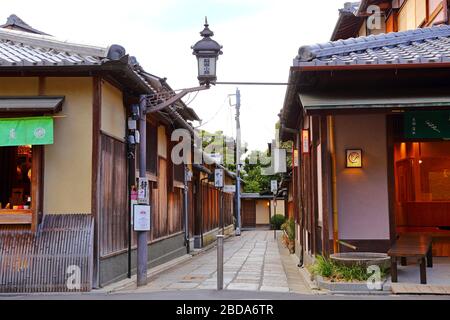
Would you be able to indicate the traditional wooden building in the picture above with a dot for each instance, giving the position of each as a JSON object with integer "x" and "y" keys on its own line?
{"x": 257, "y": 209}
{"x": 65, "y": 164}
{"x": 369, "y": 119}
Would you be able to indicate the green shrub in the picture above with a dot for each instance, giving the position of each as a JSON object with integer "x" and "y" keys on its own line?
{"x": 277, "y": 221}
{"x": 337, "y": 272}
{"x": 289, "y": 227}
{"x": 323, "y": 267}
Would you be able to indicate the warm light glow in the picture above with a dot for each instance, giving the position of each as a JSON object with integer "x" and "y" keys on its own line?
{"x": 354, "y": 158}
{"x": 268, "y": 203}
{"x": 420, "y": 161}
{"x": 305, "y": 141}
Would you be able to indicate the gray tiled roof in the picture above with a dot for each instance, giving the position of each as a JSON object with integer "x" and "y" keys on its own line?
{"x": 427, "y": 45}
{"x": 22, "y": 49}
{"x": 25, "y": 49}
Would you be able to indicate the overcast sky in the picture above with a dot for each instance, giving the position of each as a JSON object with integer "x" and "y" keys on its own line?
{"x": 260, "y": 38}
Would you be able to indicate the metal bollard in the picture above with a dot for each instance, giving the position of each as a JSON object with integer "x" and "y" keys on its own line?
{"x": 220, "y": 240}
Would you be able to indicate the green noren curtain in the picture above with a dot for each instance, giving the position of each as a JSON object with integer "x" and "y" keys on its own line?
{"x": 26, "y": 131}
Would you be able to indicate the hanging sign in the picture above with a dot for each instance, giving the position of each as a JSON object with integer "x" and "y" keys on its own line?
{"x": 143, "y": 191}
{"x": 295, "y": 158}
{"x": 26, "y": 131}
{"x": 218, "y": 178}
{"x": 305, "y": 141}
{"x": 274, "y": 186}
{"x": 427, "y": 125}
{"x": 141, "y": 214}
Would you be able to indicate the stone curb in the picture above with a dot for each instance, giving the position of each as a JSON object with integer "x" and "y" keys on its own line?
{"x": 349, "y": 288}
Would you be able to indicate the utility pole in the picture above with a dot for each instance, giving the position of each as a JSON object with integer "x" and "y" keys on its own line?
{"x": 142, "y": 249}
{"x": 238, "y": 162}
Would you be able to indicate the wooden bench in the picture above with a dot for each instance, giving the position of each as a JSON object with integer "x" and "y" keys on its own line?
{"x": 412, "y": 246}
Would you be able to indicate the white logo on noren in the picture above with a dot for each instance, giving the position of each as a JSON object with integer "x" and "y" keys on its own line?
{"x": 39, "y": 133}
{"x": 12, "y": 134}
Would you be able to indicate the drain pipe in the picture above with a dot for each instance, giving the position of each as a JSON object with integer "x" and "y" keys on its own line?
{"x": 334, "y": 185}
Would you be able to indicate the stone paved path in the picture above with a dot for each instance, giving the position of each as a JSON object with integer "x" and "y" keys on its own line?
{"x": 253, "y": 262}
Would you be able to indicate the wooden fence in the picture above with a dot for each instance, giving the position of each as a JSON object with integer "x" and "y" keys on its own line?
{"x": 211, "y": 208}
{"x": 57, "y": 258}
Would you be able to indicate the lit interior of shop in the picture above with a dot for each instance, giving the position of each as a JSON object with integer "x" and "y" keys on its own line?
{"x": 15, "y": 177}
{"x": 422, "y": 171}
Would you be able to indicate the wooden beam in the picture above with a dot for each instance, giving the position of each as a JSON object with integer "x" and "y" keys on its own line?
{"x": 95, "y": 187}
{"x": 326, "y": 184}
{"x": 16, "y": 217}
{"x": 391, "y": 176}
{"x": 37, "y": 186}
{"x": 314, "y": 134}
{"x": 430, "y": 19}
{"x": 41, "y": 86}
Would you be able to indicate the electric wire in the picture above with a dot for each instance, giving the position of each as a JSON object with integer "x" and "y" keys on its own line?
{"x": 215, "y": 114}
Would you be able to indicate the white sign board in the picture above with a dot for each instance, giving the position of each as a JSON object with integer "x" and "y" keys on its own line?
{"x": 218, "y": 178}
{"x": 143, "y": 191}
{"x": 229, "y": 188}
{"x": 274, "y": 186}
{"x": 141, "y": 214}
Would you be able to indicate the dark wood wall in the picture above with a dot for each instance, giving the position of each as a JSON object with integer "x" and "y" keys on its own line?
{"x": 113, "y": 196}
{"x": 210, "y": 203}
{"x": 166, "y": 201}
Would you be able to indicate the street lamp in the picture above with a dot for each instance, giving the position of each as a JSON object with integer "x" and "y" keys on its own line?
{"x": 207, "y": 52}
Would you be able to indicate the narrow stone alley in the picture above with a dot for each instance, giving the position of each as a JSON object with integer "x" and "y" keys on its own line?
{"x": 253, "y": 262}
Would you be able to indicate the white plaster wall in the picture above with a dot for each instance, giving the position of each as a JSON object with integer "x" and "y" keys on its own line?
{"x": 362, "y": 193}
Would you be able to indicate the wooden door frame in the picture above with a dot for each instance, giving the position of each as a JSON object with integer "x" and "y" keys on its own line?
{"x": 391, "y": 177}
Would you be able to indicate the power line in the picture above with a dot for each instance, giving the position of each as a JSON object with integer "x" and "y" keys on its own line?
{"x": 214, "y": 116}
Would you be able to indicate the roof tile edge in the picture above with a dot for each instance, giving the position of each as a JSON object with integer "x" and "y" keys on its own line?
{"x": 309, "y": 53}
{"x": 51, "y": 43}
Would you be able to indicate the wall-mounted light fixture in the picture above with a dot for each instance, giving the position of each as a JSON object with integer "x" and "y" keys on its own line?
{"x": 353, "y": 158}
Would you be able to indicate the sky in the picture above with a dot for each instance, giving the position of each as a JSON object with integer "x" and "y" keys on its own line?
{"x": 260, "y": 39}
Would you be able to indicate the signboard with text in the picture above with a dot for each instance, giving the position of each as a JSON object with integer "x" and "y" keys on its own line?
{"x": 427, "y": 124}
{"x": 274, "y": 186}
{"x": 141, "y": 214}
{"x": 143, "y": 191}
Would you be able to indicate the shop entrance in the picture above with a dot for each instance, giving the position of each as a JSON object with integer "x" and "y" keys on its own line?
{"x": 15, "y": 177}
{"x": 422, "y": 191}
